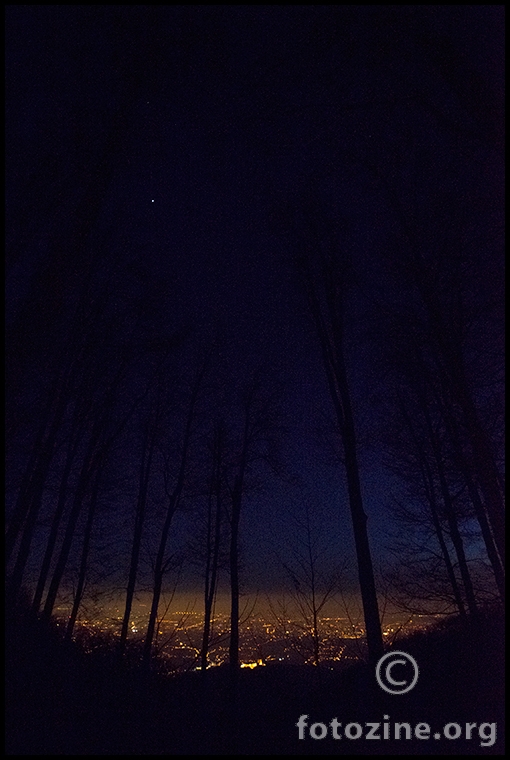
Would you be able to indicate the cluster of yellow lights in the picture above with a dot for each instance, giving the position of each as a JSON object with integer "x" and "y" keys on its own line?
{"x": 252, "y": 664}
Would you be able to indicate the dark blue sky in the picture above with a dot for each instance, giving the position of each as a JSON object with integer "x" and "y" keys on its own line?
{"x": 230, "y": 113}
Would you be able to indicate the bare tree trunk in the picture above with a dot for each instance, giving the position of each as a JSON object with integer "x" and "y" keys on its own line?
{"x": 430, "y": 492}
{"x": 365, "y": 567}
{"x": 55, "y": 524}
{"x": 237, "y": 499}
{"x": 450, "y": 513}
{"x": 34, "y": 472}
{"x": 145, "y": 470}
{"x": 81, "y": 490}
{"x": 233, "y": 650}
{"x": 457, "y": 540}
{"x": 213, "y": 543}
{"x": 494, "y": 559}
{"x": 487, "y": 474}
{"x": 328, "y": 321}
{"x": 85, "y": 552}
{"x": 173, "y": 502}
{"x": 451, "y": 366}
{"x": 481, "y": 514}
{"x": 31, "y": 501}
{"x": 429, "y": 487}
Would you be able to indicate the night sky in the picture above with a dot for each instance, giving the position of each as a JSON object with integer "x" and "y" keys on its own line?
{"x": 170, "y": 156}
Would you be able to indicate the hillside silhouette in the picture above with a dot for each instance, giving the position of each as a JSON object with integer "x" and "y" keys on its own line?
{"x": 61, "y": 700}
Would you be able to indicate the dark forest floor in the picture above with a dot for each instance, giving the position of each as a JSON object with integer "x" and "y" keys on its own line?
{"x": 61, "y": 701}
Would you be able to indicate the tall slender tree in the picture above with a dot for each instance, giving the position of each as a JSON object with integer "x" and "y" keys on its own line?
{"x": 326, "y": 274}
{"x": 254, "y": 445}
{"x": 214, "y": 520}
{"x": 174, "y": 487}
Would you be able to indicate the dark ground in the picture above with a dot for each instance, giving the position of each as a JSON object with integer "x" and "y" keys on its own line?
{"x": 61, "y": 701}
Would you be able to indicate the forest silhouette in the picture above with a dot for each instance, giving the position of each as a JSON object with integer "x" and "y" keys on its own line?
{"x": 255, "y": 266}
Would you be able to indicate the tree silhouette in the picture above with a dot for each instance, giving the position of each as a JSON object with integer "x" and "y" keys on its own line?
{"x": 214, "y": 519}
{"x": 311, "y": 588}
{"x": 147, "y": 454}
{"x": 254, "y": 445}
{"x": 326, "y": 275}
{"x": 174, "y": 478}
